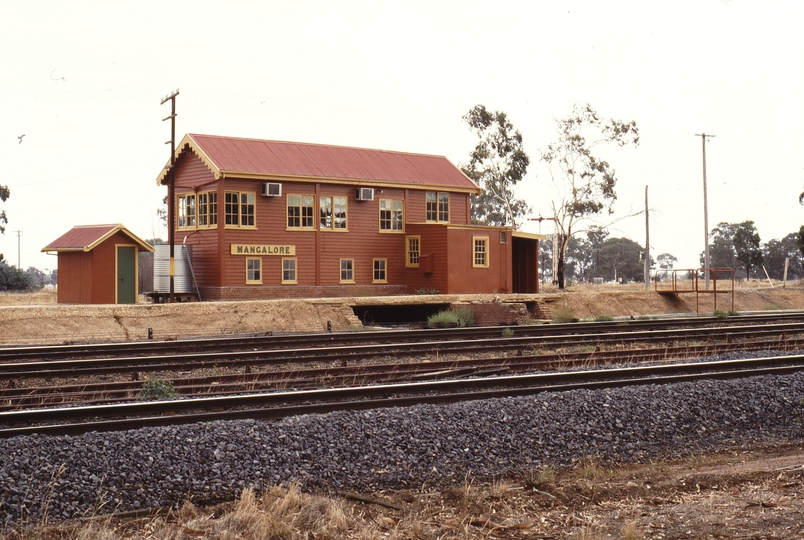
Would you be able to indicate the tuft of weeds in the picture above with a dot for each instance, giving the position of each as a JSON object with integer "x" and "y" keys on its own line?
{"x": 540, "y": 477}
{"x": 724, "y": 314}
{"x": 563, "y": 315}
{"x": 771, "y": 307}
{"x": 631, "y": 531}
{"x": 283, "y": 512}
{"x": 591, "y": 533}
{"x": 604, "y": 318}
{"x": 589, "y": 468}
{"x": 695, "y": 459}
{"x": 157, "y": 389}
{"x": 499, "y": 488}
{"x": 452, "y": 317}
{"x": 427, "y": 290}
{"x": 507, "y": 332}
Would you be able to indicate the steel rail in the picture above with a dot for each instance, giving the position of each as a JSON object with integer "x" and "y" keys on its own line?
{"x": 250, "y": 341}
{"x": 192, "y": 361}
{"x": 306, "y": 378}
{"x": 126, "y": 416}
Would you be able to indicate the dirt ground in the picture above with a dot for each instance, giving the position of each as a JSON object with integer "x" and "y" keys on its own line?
{"x": 748, "y": 493}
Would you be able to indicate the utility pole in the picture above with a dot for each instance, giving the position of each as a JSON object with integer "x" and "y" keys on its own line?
{"x": 703, "y": 137}
{"x": 555, "y": 243}
{"x": 19, "y": 233}
{"x": 647, "y": 241}
{"x": 171, "y": 183}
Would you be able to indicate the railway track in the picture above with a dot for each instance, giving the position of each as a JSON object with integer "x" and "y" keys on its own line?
{"x": 467, "y": 341}
{"x": 333, "y": 363}
{"x": 299, "y": 377}
{"x": 247, "y": 343}
{"x": 275, "y": 405}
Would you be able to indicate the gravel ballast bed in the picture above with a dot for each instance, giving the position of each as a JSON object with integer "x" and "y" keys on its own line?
{"x": 426, "y": 445}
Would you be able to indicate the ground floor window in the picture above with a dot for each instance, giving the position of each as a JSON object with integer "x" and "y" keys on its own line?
{"x": 380, "y": 275}
{"x": 481, "y": 251}
{"x": 347, "y": 270}
{"x": 254, "y": 271}
{"x": 289, "y": 271}
{"x": 412, "y": 250}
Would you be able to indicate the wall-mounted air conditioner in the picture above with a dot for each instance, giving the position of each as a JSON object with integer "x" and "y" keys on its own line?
{"x": 365, "y": 194}
{"x": 271, "y": 189}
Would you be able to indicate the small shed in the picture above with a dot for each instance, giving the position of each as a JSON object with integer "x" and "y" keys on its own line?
{"x": 97, "y": 264}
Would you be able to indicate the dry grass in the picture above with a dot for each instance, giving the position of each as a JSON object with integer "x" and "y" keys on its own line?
{"x": 281, "y": 513}
{"x": 42, "y": 297}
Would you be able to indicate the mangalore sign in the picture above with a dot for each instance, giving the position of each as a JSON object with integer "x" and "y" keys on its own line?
{"x": 262, "y": 249}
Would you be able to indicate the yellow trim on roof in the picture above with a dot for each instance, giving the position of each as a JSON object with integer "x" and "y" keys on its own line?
{"x": 115, "y": 228}
{"x": 187, "y": 140}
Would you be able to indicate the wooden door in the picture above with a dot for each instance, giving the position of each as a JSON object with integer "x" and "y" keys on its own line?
{"x": 126, "y": 275}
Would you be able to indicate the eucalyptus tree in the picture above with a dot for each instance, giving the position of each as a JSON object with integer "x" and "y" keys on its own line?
{"x": 621, "y": 258}
{"x": 5, "y": 193}
{"x": 666, "y": 261}
{"x": 585, "y": 184}
{"x": 747, "y": 249}
{"x": 496, "y": 164}
{"x": 721, "y": 246}
{"x": 778, "y": 253}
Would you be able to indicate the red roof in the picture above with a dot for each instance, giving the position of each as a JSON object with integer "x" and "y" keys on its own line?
{"x": 238, "y": 157}
{"x": 87, "y": 238}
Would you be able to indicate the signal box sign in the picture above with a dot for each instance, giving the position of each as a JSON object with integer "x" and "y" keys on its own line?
{"x": 263, "y": 249}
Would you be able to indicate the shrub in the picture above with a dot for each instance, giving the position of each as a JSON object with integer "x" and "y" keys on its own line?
{"x": 452, "y": 317}
{"x": 602, "y": 318}
{"x": 427, "y": 290}
{"x": 562, "y": 315}
{"x": 14, "y": 279}
{"x": 723, "y": 314}
{"x": 157, "y": 389}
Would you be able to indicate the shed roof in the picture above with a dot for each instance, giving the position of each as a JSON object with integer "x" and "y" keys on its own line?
{"x": 267, "y": 160}
{"x": 88, "y": 237}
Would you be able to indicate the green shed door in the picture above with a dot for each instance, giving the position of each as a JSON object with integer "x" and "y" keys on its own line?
{"x": 126, "y": 275}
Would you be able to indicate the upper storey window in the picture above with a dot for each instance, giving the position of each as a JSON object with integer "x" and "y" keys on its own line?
{"x": 332, "y": 213}
{"x": 239, "y": 209}
{"x": 437, "y": 207}
{"x": 391, "y": 215}
{"x": 197, "y": 210}
{"x": 207, "y": 209}
{"x": 300, "y": 211}
{"x": 185, "y": 211}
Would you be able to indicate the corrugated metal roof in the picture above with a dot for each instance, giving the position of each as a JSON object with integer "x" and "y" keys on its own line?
{"x": 87, "y": 237}
{"x": 233, "y": 156}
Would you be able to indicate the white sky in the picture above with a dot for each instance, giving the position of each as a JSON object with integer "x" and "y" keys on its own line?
{"x": 83, "y": 81}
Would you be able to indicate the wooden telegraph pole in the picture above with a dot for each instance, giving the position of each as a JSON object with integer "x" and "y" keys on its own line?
{"x": 703, "y": 137}
{"x": 647, "y": 241}
{"x": 171, "y": 183}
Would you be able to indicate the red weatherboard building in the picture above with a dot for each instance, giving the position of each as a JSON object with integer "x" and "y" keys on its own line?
{"x": 271, "y": 219}
{"x": 98, "y": 264}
